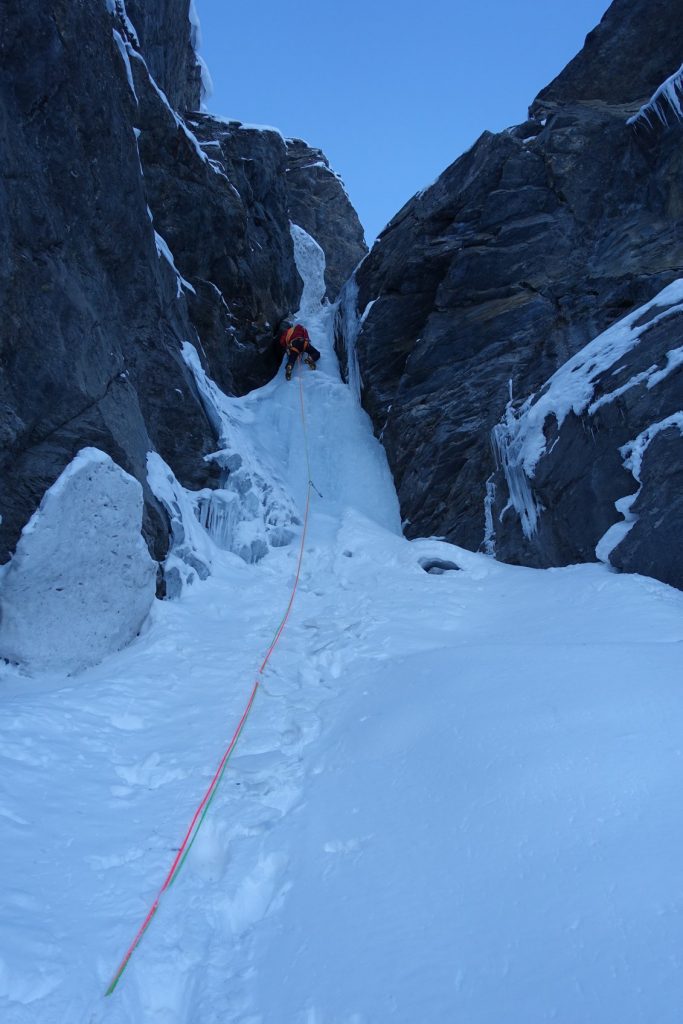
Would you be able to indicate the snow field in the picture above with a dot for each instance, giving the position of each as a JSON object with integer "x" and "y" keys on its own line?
{"x": 488, "y": 831}
{"x": 456, "y": 798}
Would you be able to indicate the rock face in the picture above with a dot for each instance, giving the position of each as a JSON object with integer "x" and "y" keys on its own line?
{"x": 590, "y": 465}
{"x": 218, "y": 199}
{"x": 126, "y": 229}
{"x": 319, "y": 204}
{"x": 523, "y": 251}
{"x": 92, "y": 323}
{"x": 163, "y": 32}
{"x": 53, "y": 583}
{"x": 634, "y": 48}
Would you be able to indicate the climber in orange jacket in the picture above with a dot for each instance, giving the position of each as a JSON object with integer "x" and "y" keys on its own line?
{"x": 296, "y": 341}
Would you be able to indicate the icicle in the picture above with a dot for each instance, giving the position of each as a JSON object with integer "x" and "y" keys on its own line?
{"x": 310, "y": 262}
{"x": 489, "y": 526}
{"x": 666, "y": 98}
{"x": 348, "y": 324}
{"x": 196, "y": 43}
{"x": 508, "y": 445}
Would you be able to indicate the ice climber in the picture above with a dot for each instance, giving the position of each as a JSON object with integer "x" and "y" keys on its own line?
{"x": 296, "y": 341}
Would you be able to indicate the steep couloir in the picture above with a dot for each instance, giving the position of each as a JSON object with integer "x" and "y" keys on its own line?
{"x": 523, "y": 251}
{"x": 130, "y": 223}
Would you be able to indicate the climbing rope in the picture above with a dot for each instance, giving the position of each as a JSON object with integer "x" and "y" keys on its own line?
{"x": 205, "y": 803}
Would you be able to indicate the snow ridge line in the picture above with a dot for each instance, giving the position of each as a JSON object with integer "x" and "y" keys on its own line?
{"x": 205, "y": 803}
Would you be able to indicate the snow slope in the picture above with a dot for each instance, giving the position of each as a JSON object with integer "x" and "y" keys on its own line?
{"x": 456, "y": 798}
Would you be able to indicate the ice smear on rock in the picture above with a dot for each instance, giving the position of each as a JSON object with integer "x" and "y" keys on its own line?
{"x": 633, "y": 454}
{"x": 179, "y": 121}
{"x": 82, "y": 581}
{"x": 196, "y": 42}
{"x": 508, "y": 441}
{"x": 118, "y": 39}
{"x": 164, "y": 250}
{"x": 348, "y": 324}
{"x": 191, "y": 553}
{"x": 310, "y": 262}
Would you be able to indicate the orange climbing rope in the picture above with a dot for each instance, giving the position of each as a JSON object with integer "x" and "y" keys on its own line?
{"x": 204, "y": 804}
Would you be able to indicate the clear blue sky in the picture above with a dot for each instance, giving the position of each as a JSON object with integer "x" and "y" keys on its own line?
{"x": 392, "y": 91}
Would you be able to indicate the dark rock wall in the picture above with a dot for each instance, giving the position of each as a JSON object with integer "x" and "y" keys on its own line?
{"x": 164, "y": 34}
{"x": 525, "y": 249}
{"x": 220, "y": 203}
{"x": 94, "y": 161}
{"x": 655, "y": 539}
{"x": 637, "y": 44}
{"x": 91, "y": 329}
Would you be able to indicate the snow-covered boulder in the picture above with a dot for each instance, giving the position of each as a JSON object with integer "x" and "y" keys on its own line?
{"x": 81, "y": 582}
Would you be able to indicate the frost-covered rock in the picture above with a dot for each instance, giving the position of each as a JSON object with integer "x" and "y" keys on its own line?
{"x": 81, "y": 582}
{"x": 591, "y": 465}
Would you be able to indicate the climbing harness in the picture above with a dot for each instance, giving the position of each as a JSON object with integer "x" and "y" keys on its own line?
{"x": 205, "y": 803}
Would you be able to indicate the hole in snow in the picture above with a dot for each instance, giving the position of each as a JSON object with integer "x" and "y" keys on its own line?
{"x": 438, "y": 566}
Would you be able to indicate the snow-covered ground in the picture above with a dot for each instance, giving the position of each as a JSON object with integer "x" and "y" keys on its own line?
{"x": 457, "y": 797}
